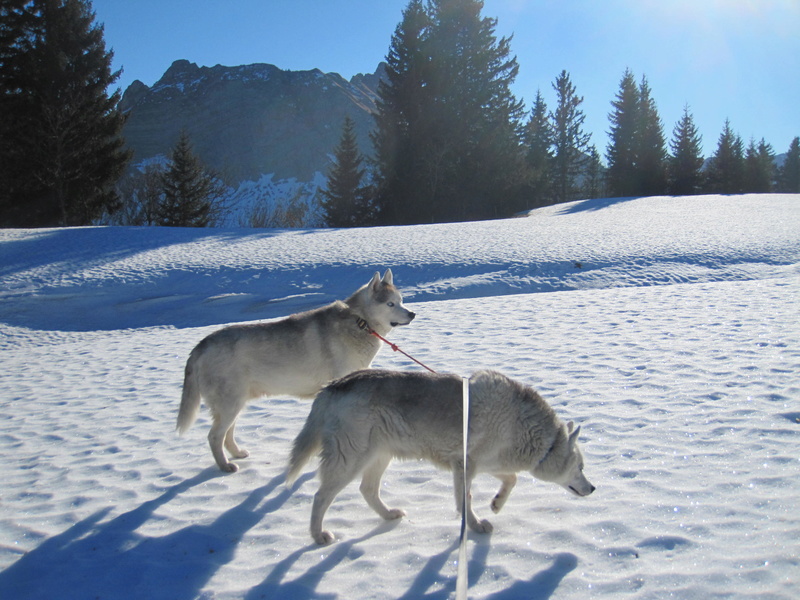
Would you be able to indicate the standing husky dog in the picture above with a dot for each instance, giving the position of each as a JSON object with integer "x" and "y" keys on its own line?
{"x": 362, "y": 421}
{"x": 294, "y": 356}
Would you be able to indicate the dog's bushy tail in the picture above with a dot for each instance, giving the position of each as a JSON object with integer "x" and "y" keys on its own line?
{"x": 190, "y": 399}
{"x": 309, "y": 441}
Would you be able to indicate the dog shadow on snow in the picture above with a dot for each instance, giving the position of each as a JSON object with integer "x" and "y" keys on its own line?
{"x": 540, "y": 587}
{"x": 96, "y": 559}
{"x": 110, "y": 559}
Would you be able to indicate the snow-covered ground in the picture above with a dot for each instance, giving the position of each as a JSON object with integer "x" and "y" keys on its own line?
{"x": 669, "y": 328}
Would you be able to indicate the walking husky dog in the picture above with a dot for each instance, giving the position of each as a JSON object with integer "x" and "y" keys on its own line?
{"x": 294, "y": 356}
{"x": 362, "y": 421}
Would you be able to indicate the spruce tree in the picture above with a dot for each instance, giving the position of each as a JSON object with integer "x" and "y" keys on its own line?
{"x": 759, "y": 168}
{"x": 400, "y": 121}
{"x": 68, "y": 129}
{"x": 345, "y": 202}
{"x": 17, "y": 25}
{"x": 481, "y": 118}
{"x": 447, "y": 138}
{"x": 622, "y": 150}
{"x": 651, "y": 161}
{"x": 538, "y": 141}
{"x": 594, "y": 183}
{"x": 570, "y": 143}
{"x": 789, "y": 173}
{"x": 726, "y": 167}
{"x": 686, "y": 161}
{"x": 192, "y": 195}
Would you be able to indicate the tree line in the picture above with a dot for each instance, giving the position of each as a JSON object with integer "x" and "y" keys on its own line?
{"x": 450, "y": 142}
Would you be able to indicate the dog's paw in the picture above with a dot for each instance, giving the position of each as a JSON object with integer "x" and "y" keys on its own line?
{"x": 241, "y": 453}
{"x": 229, "y": 467}
{"x": 323, "y": 538}
{"x": 497, "y": 504}
{"x": 395, "y": 513}
{"x": 482, "y": 526}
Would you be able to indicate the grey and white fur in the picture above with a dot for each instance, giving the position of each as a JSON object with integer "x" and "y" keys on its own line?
{"x": 360, "y": 422}
{"x": 294, "y": 356}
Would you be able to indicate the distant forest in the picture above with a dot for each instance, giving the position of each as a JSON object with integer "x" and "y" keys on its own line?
{"x": 450, "y": 142}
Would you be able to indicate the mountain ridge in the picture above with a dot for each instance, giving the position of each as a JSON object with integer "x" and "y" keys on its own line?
{"x": 250, "y": 120}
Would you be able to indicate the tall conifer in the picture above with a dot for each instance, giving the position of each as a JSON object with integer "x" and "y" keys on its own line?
{"x": 538, "y": 140}
{"x": 345, "y": 202}
{"x": 447, "y": 138}
{"x": 192, "y": 195}
{"x": 686, "y": 160}
{"x": 67, "y": 132}
{"x": 651, "y": 179}
{"x": 570, "y": 142}
{"x": 401, "y": 119}
{"x": 726, "y": 167}
{"x": 623, "y": 147}
{"x": 759, "y": 168}
{"x": 789, "y": 173}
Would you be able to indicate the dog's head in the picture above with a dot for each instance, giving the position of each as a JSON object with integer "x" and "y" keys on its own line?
{"x": 380, "y": 304}
{"x": 564, "y": 464}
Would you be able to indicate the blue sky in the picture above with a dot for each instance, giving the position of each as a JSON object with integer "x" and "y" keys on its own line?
{"x": 735, "y": 59}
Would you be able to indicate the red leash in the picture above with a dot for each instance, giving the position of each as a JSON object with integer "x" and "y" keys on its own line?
{"x": 364, "y": 325}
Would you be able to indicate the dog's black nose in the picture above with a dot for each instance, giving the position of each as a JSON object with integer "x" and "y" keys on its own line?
{"x": 411, "y": 315}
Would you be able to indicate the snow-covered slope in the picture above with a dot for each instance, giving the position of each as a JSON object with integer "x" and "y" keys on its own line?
{"x": 667, "y": 327}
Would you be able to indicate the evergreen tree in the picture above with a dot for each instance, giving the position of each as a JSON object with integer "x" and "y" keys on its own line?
{"x": 192, "y": 195}
{"x": 759, "y": 168}
{"x": 447, "y": 117}
{"x": 538, "y": 140}
{"x": 401, "y": 119}
{"x": 67, "y": 145}
{"x": 789, "y": 174}
{"x": 16, "y": 37}
{"x": 593, "y": 186}
{"x": 651, "y": 155}
{"x": 623, "y": 147}
{"x": 570, "y": 143}
{"x": 346, "y": 203}
{"x": 686, "y": 161}
{"x": 726, "y": 167}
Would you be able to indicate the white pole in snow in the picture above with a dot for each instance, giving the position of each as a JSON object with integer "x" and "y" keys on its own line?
{"x": 461, "y": 580}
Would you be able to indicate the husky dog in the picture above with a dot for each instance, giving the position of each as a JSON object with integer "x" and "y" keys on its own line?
{"x": 294, "y": 356}
{"x": 362, "y": 421}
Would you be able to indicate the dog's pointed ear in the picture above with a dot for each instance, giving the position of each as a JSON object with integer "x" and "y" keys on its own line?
{"x": 573, "y": 437}
{"x": 376, "y": 281}
{"x": 570, "y": 426}
{"x": 387, "y": 277}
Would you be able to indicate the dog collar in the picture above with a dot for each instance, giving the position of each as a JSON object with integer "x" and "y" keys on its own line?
{"x": 362, "y": 324}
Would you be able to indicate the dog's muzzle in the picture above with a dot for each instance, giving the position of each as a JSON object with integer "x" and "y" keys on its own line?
{"x": 411, "y": 316}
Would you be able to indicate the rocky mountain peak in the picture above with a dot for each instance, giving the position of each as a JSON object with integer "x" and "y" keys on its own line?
{"x": 250, "y": 120}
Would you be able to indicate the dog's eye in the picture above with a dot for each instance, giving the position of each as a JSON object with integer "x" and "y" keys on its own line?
{"x": 390, "y": 304}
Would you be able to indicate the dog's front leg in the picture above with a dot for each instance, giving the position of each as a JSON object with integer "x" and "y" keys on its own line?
{"x": 509, "y": 480}
{"x": 477, "y": 525}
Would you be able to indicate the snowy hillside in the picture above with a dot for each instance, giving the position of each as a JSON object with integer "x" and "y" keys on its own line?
{"x": 666, "y": 327}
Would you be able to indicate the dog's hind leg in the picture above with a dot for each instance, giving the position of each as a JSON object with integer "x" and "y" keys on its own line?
{"x": 509, "y": 480}
{"x": 371, "y": 489}
{"x": 331, "y": 484}
{"x": 477, "y": 525}
{"x": 234, "y": 449}
{"x": 337, "y": 468}
{"x": 221, "y": 433}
